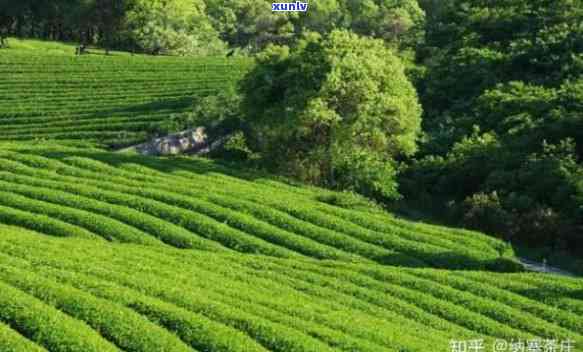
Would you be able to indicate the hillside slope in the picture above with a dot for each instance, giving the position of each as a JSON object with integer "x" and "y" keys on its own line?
{"x": 103, "y": 251}
{"x": 48, "y": 93}
{"x": 197, "y": 204}
{"x": 83, "y": 295}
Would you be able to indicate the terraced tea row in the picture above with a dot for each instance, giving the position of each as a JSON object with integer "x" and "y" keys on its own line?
{"x": 82, "y": 295}
{"x": 108, "y": 100}
{"x": 194, "y": 203}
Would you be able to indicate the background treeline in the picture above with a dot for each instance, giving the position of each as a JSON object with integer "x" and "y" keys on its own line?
{"x": 502, "y": 93}
{"x": 201, "y": 26}
{"x": 152, "y": 26}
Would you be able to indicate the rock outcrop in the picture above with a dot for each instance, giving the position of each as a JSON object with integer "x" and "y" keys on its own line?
{"x": 185, "y": 142}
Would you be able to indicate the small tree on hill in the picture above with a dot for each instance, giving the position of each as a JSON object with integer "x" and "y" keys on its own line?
{"x": 334, "y": 111}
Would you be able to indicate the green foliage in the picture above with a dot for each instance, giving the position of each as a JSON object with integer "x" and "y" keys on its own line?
{"x": 185, "y": 254}
{"x": 349, "y": 200}
{"x": 473, "y": 47}
{"x": 216, "y": 108}
{"x": 533, "y": 199}
{"x": 331, "y": 106}
{"x": 512, "y": 69}
{"x": 204, "y": 26}
{"x": 236, "y": 148}
{"x": 485, "y": 211}
{"x": 253, "y": 26}
{"x": 12, "y": 341}
{"x": 186, "y": 208}
{"x": 460, "y": 172}
{"x": 33, "y": 317}
{"x": 366, "y": 173}
{"x": 250, "y": 25}
{"x": 175, "y": 27}
{"x": 529, "y": 114}
{"x": 399, "y": 21}
{"x": 235, "y": 303}
{"x": 113, "y": 100}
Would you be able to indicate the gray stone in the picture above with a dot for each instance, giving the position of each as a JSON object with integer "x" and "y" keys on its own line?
{"x": 185, "y": 142}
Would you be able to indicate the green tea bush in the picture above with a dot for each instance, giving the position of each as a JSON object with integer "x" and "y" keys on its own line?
{"x": 219, "y": 212}
{"x": 106, "y": 100}
{"x": 12, "y": 341}
{"x": 233, "y": 302}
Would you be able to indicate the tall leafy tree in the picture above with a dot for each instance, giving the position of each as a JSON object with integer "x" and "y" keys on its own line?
{"x": 250, "y": 23}
{"x": 336, "y": 110}
{"x": 175, "y": 26}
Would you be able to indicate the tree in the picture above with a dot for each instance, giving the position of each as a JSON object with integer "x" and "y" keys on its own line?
{"x": 399, "y": 21}
{"x": 250, "y": 24}
{"x": 9, "y": 12}
{"x": 5, "y": 25}
{"x": 110, "y": 15}
{"x": 323, "y": 16}
{"x": 332, "y": 106}
{"x": 510, "y": 70}
{"x": 173, "y": 26}
{"x": 473, "y": 46}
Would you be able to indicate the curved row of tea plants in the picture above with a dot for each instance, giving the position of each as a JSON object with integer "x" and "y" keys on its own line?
{"x": 63, "y": 294}
{"x": 109, "y": 100}
{"x": 192, "y": 203}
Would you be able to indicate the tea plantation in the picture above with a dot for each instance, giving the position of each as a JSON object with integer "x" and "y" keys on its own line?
{"x": 103, "y": 251}
{"x": 83, "y": 295}
{"x": 110, "y": 100}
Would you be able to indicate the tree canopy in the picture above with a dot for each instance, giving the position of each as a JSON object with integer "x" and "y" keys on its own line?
{"x": 331, "y": 105}
{"x": 508, "y": 72}
{"x": 205, "y": 26}
{"x": 176, "y": 26}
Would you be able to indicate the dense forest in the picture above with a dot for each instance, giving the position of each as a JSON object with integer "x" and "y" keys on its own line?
{"x": 202, "y": 26}
{"x": 469, "y": 109}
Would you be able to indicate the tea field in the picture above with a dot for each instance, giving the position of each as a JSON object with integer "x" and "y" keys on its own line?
{"x": 197, "y": 204}
{"x": 103, "y": 251}
{"x": 49, "y": 93}
{"x": 76, "y": 294}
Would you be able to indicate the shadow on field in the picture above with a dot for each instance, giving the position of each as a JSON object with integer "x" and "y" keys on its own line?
{"x": 449, "y": 260}
{"x": 163, "y": 164}
{"x": 147, "y": 108}
{"x": 555, "y": 293}
{"x": 577, "y": 295}
{"x": 457, "y": 261}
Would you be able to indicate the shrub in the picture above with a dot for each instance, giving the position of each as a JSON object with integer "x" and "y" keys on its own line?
{"x": 485, "y": 212}
{"x": 235, "y": 148}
